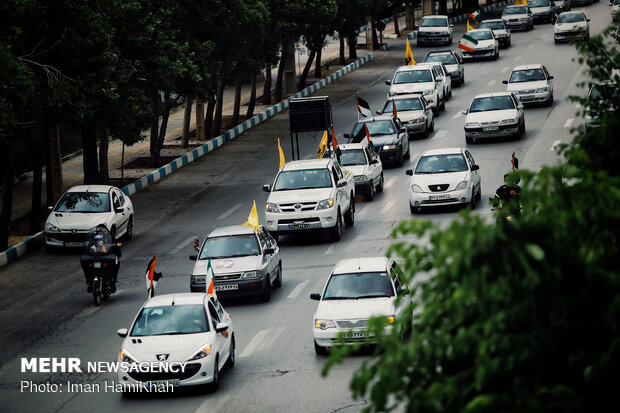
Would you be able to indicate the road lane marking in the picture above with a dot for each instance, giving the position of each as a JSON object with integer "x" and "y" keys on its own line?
{"x": 298, "y": 289}
{"x": 272, "y": 338}
{"x": 458, "y": 115}
{"x": 556, "y": 143}
{"x": 330, "y": 249}
{"x": 516, "y": 59}
{"x": 254, "y": 343}
{"x": 531, "y": 46}
{"x": 208, "y": 406}
{"x": 568, "y": 122}
{"x": 439, "y": 134}
{"x": 318, "y": 287}
{"x": 182, "y": 245}
{"x": 364, "y": 209}
{"x": 491, "y": 82}
{"x": 504, "y": 70}
{"x": 387, "y": 206}
{"x": 232, "y": 209}
{"x": 390, "y": 182}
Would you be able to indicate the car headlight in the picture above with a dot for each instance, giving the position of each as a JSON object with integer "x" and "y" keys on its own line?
{"x": 429, "y": 92}
{"x": 51, "y": 228}
{"x": 415, "y": 188}
{"x": 271, "y": 207}
{"x": 508, "y": 121}
{"x": 325, "y": 204}
{"x": 502, "y": 35}
{"x": 542, "y": 89}
{"x": 472, "y": 125}
{"x": 204, "y": 352}
{"x": 487, "y": 48}
{"x": 360, "y": 178}
{"x": 124, "y": 357}
{"x": 388, "y": 147}
{"x": 250, "y": 275}
{"x": 461, "y": 185}
{"x": 417, "y": 120}
{"x": 324, "y": 324}
{"x": 198, "y": 278}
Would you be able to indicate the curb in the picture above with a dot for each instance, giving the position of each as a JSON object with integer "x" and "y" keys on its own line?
{"x": 33, "y": 242}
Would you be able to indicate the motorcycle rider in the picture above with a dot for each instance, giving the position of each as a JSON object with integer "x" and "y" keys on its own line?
{"x": 102, "y": 242}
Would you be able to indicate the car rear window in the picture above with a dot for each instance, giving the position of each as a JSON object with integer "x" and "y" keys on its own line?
{"x": 403, "y": 104}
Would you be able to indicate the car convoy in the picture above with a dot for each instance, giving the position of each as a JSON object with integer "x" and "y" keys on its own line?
{"x": 319, "y": 195}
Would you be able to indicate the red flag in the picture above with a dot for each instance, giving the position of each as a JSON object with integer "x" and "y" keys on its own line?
{"x": 515, "y": 162}
{"x": 394, "y": 108}
{"x": 334, "y": 141}
{"x": 150, "y": 271}
{"x": 367, "y": 134}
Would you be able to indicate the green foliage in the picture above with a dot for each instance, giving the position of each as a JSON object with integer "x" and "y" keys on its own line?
{"x": 519, "y": 315}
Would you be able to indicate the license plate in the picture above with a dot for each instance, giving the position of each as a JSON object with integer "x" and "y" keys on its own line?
{"x": 97, "y": 264}
{"x": 432, "y": 197}
{"x": 359, "y": 334}
{"x": 75, "y": 244}
{"x": 226, "y": 287}
{"x": 490, "y": 128}
{"x": 299, "y": 226}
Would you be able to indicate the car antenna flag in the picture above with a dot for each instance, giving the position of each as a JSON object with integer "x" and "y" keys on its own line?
{"x": 152, "y": 276}
{"x": 474, "y": 16}
{"x": 253, "y": 218}
{"x": 394, "y": 108}
{"x": 363, "y": 107}
{"x": 469, "y": 26}
{"x": 322, "y": 145}
{"x": 409, "y": 60}
{"x": 282, "y": 159}
{"x": 209, "y": 279}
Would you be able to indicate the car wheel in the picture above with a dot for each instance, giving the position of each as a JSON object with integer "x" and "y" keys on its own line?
{"x": 349, "y": 216}
{"x": 472, "y": 203}
{"x": 436, "y": 111}
{"x": 380, "y": 186}
{"x": 371, "y": 191}
{"x": 215, "y": 384}
{"x": 266, "y": 293}
{"x": 521, "y": 130}
{"x": 399, "y": 158}
{"x": 469, "y": 139}
{"x": 336, "y": 231}
{"x": 230, "y": 363}
{"x": 463, "y": 79}
{"x": 496, "y": 55}
{"x": 509, "y": 42}
{"x": 408, "y": 154}
{"x": 432, "y": 127}
{"x": 129, "y": 231}
{"x": 450, "y": 94}
{"x": 426, "y": 131}
{"x": 319, "y": 350}
{"x": 277, "y": 283}
{"x": 443, "y": 104}
{"x": 550, "y": 101}
{"x": 414, "y": 210}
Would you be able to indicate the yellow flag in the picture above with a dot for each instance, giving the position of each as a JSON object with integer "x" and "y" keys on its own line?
{"x": 408, "y": 55}
{"x": 282, "y": 160}
{"x": 253, "y": 218}
{"x": 469, "y": 26}
{"x": 322, "y": 145}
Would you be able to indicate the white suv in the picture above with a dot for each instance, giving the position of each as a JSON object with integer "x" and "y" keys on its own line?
{"x": 416, "y": 79}
{"x": 435, "y": 29}
{"x": 310, "y": 194}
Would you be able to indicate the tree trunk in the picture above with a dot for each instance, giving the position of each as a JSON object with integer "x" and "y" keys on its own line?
{"x": 54, "y": 166}
{"x": 375, "y": 38}
{"x": 209, "y": 118}
{"x": 187, "y": 118}
{"x": 352, "y": 46}
{"x": 267, "y": 85}
{"x": 280, "y": 76}
{"x": 237, "y": 105}
{"x": 304, "y": 73}
{"x": 164, "y": 124}
{"x": 6, "y": 168}
{"x": 443, "y": 7}
{"x": 217, "y": 121}
{"x": 409, "y": 17}
{"x": 154, "y": 129}
{"x": 396, "y": 29}
{"x": 104, "y": 171}
{"x": 470, "y": 5}
{"x": 317, "y": 65}
{"x": 341, "y": 57}
{"x": 89, "y": 153}
{"x": 252, "y": 103}
{"x": 37, "y": 183}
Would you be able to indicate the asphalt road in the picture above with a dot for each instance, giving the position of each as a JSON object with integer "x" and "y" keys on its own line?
{"x": 45, "y": 311}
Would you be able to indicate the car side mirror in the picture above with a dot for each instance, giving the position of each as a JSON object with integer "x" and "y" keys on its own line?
{"x": 403, "y": 130}
{"x": 193, "y": 257}
{"x": 409, "y": 172}
{"x": 378, "y": 112}
{"x": 388, "y": 82}
{"x": 374, "y": 161}
{"x": 268, "y": 251}
{"x": 587, "y": 20}
{"x": 266, "y": 188}
{"x": 315, "y": 296}
{"x": 346, "y": 136}
{"x": 221, "y": 327}
{"x": 475, "y": 167}
{"x": 342, "y": 183}
{"x": 119, "y": 209}
{"x": 505, "y": 82}
{"x": 520, "y": 106}
{"x": 464, "y": 112}
{"x": 122, "y": 332}
{"x": 405, "y": 291}
{"x": 550, "y": 77}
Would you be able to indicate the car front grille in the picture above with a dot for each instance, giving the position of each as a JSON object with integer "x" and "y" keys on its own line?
{"x": 362, "y": 323}
{"x": 438, "y": 187}
{"x": 227, "y": 277}
{"x": 527, "y": 92}
{"x": 79, "y": 236}
{"x": 438, "y": 201}
{"x": 492, "y": 123}
{"x": 190, "y": 370}
{"x": 298, "y": 206}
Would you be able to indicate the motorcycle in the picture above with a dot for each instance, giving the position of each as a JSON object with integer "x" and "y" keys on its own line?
{"x": 100, "y": 263}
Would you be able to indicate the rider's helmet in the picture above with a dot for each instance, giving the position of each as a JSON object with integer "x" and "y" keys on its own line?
{"x": 99, "y": 240}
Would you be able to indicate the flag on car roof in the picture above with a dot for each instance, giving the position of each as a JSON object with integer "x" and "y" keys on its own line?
{"x": 474, "y": 15}
{"x": 152, "y": 276}
{"x": 467, "y": 43}
{"x": 394, "y": 108}
{"x": 322, "y": 145}
{"x": 469, "y": 26}
{"x": 209, "y": 279}
{"x": 335, "y": 145}
{"x": 282, "y": 160}
{"x": 409, "y": 60}
{"x": 253, "y": 218}
{"x": 367, "y": 134}
{"x": 363, "y": 107}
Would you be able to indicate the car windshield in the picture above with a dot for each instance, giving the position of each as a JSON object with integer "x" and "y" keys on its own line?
{"x": 84, "y": 202}
{"x": 446, "y": 58}
{"x": 538, "y": 3}
{"x": 412, "y": 76}
{"x": 515, "y": 10}
{"x": 496, "y": 25}
{"x": 437, "y": 164}
{"x": 403, "y": 105}
{"x": 491, "y": 103}
{"x": 303, "y": 179}
{"x": 616, "y": 2}
{"x": 433, "y": 22}
{"x": 353, "y": 157}
{"x": 529, "y": 75}
{"x": 170, "y": 320}
{"x": 358, "y": 285}
{"x": 375, "y": 128}
{"x": 598, "y": 91}
{"x": 230, "y": 246}
{"x": 570, "y": 18}
{"x": 481, "y": 35}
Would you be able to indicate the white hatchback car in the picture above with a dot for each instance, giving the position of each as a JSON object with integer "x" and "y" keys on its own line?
{"x": 571, "y": 25}
{"x": 356, "y": 290}
{"x": 443, "y": 177}
{"x": 189, "y": 334}
{"x": 494, "y": 115}
{"x": 479, "y": 44}
{"x": 531, "y": 84}
{"x": 84, "y": 207}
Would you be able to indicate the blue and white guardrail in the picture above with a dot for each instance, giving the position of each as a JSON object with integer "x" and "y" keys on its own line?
{"x": 36, "y": 240}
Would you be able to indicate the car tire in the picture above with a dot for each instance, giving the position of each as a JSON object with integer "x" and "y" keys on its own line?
{"x": 371, "y": 191}
{"x": 408, "y": 154}
{"x": 450, "y": 41}
{"x": 472, "y": 203}
{"x": 319, "y": 350}
{"x": 450, "y": 93}
{"x": 414, "y": 210}
{"x": 469, "y": 139}
{"x": 349, "y": 216}
{"x": 129, "y": 232}
{"x": 556, "y": 41}
{"x": 399, "y": 159}
{"x": 462, "y": 79}
{"x": 443, "y": 104}
{"x": 277, "y": 283}
{"x": 380, "y": 186}
{"x": 336, "y": 231}
{"x": 230, "y": 362}
{"x": 550, "y": 101}
{"x": 496, "y": 55}
{"x": 266, "y": 293}
{"x": 509, "y": 42}
{"x": 432, "y": 127}
{"x": 435, "y": 111}
{"x": 426, "y": 131}
{"x": 521, "y": 130}
{"x": 215, "y": 384}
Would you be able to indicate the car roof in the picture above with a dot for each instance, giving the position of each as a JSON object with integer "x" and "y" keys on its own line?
{"x": 492, "y": 20}
{"x": 479, "y": 30}
{"x": 492, "y": 94}
{"x": 385, "y": 116}
{"x": 306, "y": 164}
{"x": 362, "y": 264}
{"x": 90, "y": 188}
{"x": 413, "y": 67}
{"x": 405, "y": 96}
{"x": 528, "y": 67}
{"x": 514, "y": 5}
{"x": 232, "y": 230}
{"x": 352, "y": 146}
{"x": 176, "y": 298}
{"x": 442, "y": 151}
{"x": 435, "y": 15}
{"x": 440, "y": 52}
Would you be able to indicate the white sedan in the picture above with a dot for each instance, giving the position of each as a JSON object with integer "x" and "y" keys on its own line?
{"x": 570, "y": 25}
{"x": 531, "y": 84}
{"x": 179, "y": 339}
{"x": 84, "y": 207}
{"x": 444, "y": 177}
{"x": 494, "y": 115}
{"x": 356, "y": 290}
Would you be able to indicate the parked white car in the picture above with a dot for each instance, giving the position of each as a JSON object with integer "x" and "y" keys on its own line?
{"x": 444, "y": 177}
{"x": 518, "y": 17}
{"x": 494, "y": 115}
{"x": 365, "y": 164}
{"x": 356, "y": 290}
{"x": 188, "y": 333}
{"x": 531, "y": 84}
{"x": 414, "y": 79}
{"x": 414, "y": 112}
{"x": 571, "y": 25}
{"x": 84, "y": 207}
{"x": 310, "y": 195}
{"x": 499, "y": 29}
{"x": 434, "y": 30}
{"x": 478, "y": 44}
